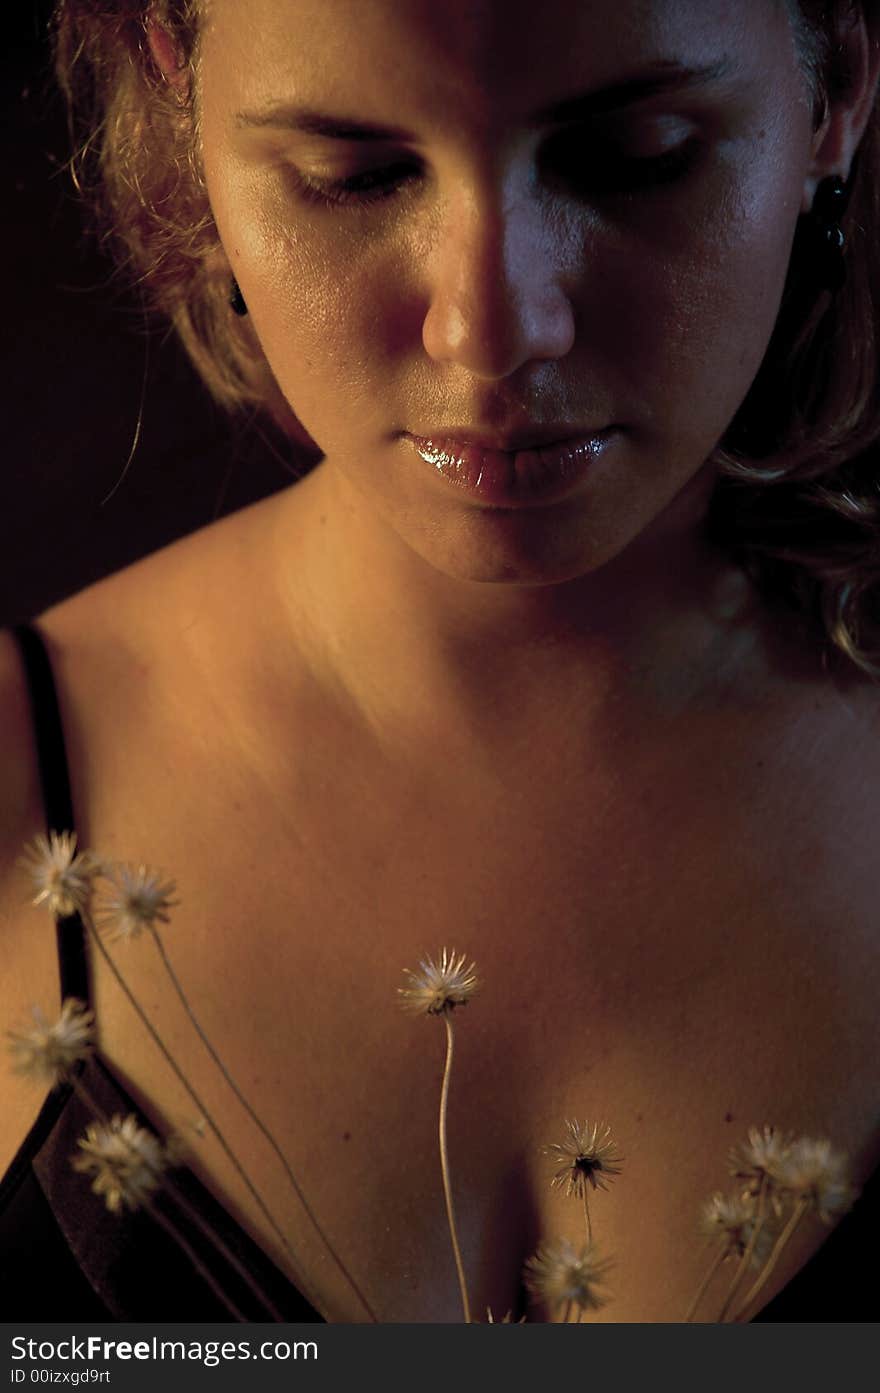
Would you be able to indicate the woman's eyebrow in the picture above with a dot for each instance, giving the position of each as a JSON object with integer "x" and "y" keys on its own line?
{"x": 660, "y": 77}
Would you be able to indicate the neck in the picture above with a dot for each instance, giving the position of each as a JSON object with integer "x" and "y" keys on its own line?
{"x": 414, "y": 648}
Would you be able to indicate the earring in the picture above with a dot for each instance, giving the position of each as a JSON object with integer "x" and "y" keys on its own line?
{"x": 236, "y": 299}
{"x": 827, "y": 237}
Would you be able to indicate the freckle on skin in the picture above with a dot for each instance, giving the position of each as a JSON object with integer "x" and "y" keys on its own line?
{"x": 346, "y": 1136}
{"x": 728, "y": 1117}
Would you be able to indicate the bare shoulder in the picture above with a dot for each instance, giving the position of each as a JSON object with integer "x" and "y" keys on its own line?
{"x": 136, "y": 646}
{"x": 148, "y": 607}
{"x": 126, "y": 655}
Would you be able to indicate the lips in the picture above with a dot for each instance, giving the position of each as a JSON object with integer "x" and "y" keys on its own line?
{"x": 508, "y": 442}
{"x": 513, "y": 478}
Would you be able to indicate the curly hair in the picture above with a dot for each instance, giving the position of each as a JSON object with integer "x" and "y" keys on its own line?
{"x": 135, "y": 138}
{"x": 797, "y": 498}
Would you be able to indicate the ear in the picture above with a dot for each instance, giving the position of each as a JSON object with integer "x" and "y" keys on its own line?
{"x": 167, "y": 56}
{"x": 837, "y": 139}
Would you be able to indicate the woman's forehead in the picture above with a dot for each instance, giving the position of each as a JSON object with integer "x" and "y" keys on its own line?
{"x": 493, "y": 37}
{"x": 499, "y": 58}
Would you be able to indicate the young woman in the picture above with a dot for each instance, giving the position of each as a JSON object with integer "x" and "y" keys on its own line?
{"x": 559, "y": 653}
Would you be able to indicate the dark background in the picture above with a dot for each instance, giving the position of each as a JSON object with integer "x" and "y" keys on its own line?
{"x": 79, "y": 368}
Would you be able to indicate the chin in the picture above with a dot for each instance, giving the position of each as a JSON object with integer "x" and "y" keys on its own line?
{"x": 522, "y": 549}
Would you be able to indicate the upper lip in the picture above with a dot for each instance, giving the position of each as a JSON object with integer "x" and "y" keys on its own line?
{"x": 527, "y": 438}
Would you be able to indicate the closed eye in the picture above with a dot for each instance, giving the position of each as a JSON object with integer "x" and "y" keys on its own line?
{"x": 596, "y": 171}
{"x": 367, "y": 186}
{"x": 597, "y": 174}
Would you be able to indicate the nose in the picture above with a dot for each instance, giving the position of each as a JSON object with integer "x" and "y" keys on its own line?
{"x": 496, "y": 294}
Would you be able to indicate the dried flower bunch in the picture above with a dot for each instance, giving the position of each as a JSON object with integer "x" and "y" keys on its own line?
{"x": 559, "y": 1275}
{"x": 779, "y": 1178}
{"x": 794, "y": 1170}
{"x": 120, "y": 902}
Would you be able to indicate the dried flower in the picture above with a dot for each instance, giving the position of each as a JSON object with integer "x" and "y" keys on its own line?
{"x": 438, "y": 987}
{"x": 732, "y": 1219}
{"x": 812, "y": 1171}
{"x": 754, "y": 1161}
{"x": 47, "y": 1052}
{"x": 125, "y": 1159}
{"x": 755, "y": 1158}
{"x": 139, "y": 900}
{"x": 560, "y": 1274}
{"x": 62, "y": 878}
{"x": 587, "y": 1158}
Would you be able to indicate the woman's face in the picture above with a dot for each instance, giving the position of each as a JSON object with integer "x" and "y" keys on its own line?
{"x": 498, "y": 264}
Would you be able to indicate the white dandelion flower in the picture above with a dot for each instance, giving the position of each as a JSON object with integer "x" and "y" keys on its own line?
{"x": 754, "y": 1161}
{"x": 139, "y": 899}
{"x": 437, "y": 987}
{"x": 754, "y": 1158}
{"x": 560, "y": 1274}
{"x": 812, "y": 1171}
{"x": 732, "y": 1219}
{"x": 125, "y": 1160}
{"x": 62, "y": 877}
{"x": 49, "y": 1053}
{"x": 588, "y": 1156}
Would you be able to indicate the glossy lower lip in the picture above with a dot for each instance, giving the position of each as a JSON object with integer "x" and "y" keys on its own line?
{"x": 513, "y": 479}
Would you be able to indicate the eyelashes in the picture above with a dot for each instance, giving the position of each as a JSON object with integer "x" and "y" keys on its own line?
{"x": 369, "y": 186}
{"x": 613, "y": 174}
{"x": 375, "y": 184}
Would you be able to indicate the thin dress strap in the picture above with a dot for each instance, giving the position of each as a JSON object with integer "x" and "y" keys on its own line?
{"x": 57, "y": 800}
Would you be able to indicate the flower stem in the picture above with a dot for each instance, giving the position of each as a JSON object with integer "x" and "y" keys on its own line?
{"x": 257, "y": 1120}
{"x": 713, "y": 1268}
{"x": 742, "y": 1265}
{"x": 444, "y": 1167}
{"x": 794, "y": 1219}
{"x": 587, "y": 1218}
{"x": 179, "y": 1074}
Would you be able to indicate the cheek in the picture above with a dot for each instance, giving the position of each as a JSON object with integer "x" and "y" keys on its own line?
{"x": 692, "y": 313}
{"x": 317, "y": 303}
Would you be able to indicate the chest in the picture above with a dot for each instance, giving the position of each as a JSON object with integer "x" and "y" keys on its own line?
{"x": 674, "y": 936}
